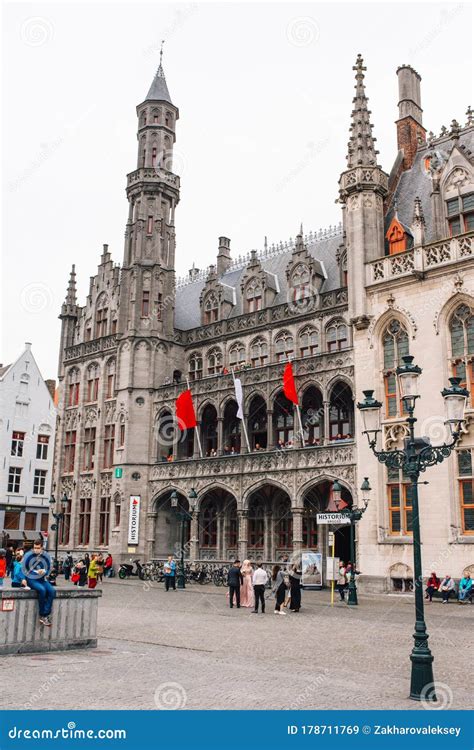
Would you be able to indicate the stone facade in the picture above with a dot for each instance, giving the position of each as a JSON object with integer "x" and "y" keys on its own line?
{"x": 322, "y": 300}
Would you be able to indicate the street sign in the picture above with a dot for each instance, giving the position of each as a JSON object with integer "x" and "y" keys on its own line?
{"x": 118, "y": 472}
{"x": 134, "y": 519}
{"x": 332, "y": 568}
{"x": 8, "y": 605}
{"x": 328, "y": 518}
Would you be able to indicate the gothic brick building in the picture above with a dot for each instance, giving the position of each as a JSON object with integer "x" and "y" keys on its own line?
{"x": 343, "y": 304}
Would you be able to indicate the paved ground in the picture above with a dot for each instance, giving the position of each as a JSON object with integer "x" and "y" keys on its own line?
{"x": 187, "y": 649}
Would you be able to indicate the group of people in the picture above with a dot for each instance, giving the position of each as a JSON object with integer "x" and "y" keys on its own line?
{"x": 89, "y": 570}
{"x": 344, "y": 574}
{"x": 447, "y": 587}
{"x": 247, "y": 587}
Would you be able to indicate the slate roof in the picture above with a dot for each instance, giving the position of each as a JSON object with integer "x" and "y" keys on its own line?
{"x": 159, "y": 90}
{"x": 417, "y": 182}
{"x": 188, "y": 311}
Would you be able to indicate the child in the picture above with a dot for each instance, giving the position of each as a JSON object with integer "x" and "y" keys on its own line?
{"x": 18, "y": 577}
{"x": 3, "y": 566}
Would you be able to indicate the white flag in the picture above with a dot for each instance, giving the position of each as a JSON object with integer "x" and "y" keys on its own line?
{"x": 239, "y": 397}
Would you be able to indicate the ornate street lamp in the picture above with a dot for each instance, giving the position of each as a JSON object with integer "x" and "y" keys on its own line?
{"x": 418, "y": 454}
{"x": 354, "y": 514}
{"x": 184, "y": 516}
{"x": 56, "y": 526}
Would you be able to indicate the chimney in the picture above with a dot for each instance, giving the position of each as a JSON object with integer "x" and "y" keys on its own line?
{"x": 410, "y": 130}
{"x": 223, "y": 257}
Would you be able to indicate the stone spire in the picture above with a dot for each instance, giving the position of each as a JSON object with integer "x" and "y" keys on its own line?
{"x": 71, "y": 296}
{"x": 159, "y": 90}
{"x": 418, "y": 223}
{"x": 361, "y": 148}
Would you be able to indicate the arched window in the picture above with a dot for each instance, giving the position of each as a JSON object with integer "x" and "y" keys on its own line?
{"x": 237, "y": 354}
{"x": 209, "y": 431}
{"x": 337, "y": 336}
{"x": 101, "y": 316}
{"x": 300, "y": 283}
{"x": 461, "y": 329}
{"x": 195, "y": 367}
{"x": 155, "y": 115}
{"x": 110, "y": 379}
{"x": 283, "y": 421}
{"x": 256, "y": 524}
{"x": 312, "y": 416}
{"x": 259, "y": 352}
{"x": 257, "y": 423}
{"x": 341, "y": 413}
{"x": 143, "y": 119}
{"x": 254, "y": 295}
{"x": 231, "y": 429}
{"x": 92, "y": 385}
{"x": 209, "y": 525}
{"x": 395, "y": 346}
{"x": 73, "y": 387}
{"x": 211, "y": 308}
{"x": 284, "y": 347}
{"x": 214, "y": 361}
{"x": 309, "y": 342}
{"x": 168, "y": 119}
{"x": 165, "y": 436}
{"x": 284, "y": 525}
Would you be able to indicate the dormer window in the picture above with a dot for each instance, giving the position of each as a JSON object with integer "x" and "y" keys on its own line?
{"x": 211, "y": 309}
{"x": 254, "y": 296}
{"x": 460, "y": 213}
{"x": 301, "y": 283}
{"x": 101, "y": 320}
{"x": 397, "y": 238}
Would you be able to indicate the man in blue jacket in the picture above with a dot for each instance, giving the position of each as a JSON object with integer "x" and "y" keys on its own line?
{"x": 36, "y": 566}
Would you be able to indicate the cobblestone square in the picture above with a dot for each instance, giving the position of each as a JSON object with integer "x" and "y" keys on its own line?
{"x": 187, "y": 649}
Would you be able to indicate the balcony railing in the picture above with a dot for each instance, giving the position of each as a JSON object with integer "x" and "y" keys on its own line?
{"x": 338, "y": 454}
{"x": 421, "y": 259}
{"x": 95, "y": 346}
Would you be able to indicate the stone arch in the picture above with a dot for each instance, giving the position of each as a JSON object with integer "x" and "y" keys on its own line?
{"x": 261, "y": 483}
{"x": 444, "y": 315}
{"x": 377, "y": 328}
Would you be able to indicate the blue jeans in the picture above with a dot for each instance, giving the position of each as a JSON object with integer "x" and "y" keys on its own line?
{"x": 46, "y": 594}
{"x": 464, "y": 593}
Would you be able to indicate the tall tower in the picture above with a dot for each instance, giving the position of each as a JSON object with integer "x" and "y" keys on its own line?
{"x": 363, "y": 186}
{"x": 68, "y": 318}
{"x": 148, "y": 274}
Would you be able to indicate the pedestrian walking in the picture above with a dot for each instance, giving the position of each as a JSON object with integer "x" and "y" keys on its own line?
{"x": 108, "y": 566}
{"x": 446, "y": 586}
{"x": 68, "y": 565}
{"x": 169, "y": 571}
{"x": 259, "y": 581}
{"x": 92, "y": 573}
{"x": 3, "y": 566}
{"x": 432, "y": 585}
{"x": 295, "y": 587}
{"x": 100, "y": 567}
{"x": 10, "y": 557}
{"x": 341, "y": 581}
{"x": 36, "y": 568}
{"x": 279, "y": 589}
{"x": 234, "y": 581}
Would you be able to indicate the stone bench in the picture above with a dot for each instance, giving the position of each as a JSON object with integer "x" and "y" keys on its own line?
{"x": 74, "y": 621}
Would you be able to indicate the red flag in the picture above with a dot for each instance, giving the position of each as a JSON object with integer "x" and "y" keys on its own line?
{"x": 185, "y": 414}
{"x": 289, "y": 388}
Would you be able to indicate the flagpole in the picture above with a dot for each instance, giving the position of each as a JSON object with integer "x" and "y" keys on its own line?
{"x": 197, "y": 426}
{"x": 244, "y": 426}
{"x": 300, "y": 422}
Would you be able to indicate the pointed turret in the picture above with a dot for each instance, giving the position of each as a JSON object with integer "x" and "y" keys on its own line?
{"x": 69, "y": 306}
{"x": 361, "y": 148}
{"x": 158, "y": 91}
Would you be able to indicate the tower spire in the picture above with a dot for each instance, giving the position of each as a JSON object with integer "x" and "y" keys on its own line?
{"x": 361, "y": 147}
{"x": 159, "y": 90}
{"x": 71, "y": 298}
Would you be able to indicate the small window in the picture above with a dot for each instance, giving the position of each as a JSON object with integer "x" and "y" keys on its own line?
{"x": 18, "y": 441}
{"x": 42, "y": 447}
{"x": 14, "y": 479}
{"x": 149, "y": 226}
{"x": 145, "y": 304}
{"x": 39, "y": 482}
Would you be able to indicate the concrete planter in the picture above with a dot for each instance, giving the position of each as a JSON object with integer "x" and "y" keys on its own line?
{"x": 74, "y": 621}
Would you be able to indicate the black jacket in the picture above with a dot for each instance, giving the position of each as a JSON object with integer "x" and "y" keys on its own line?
{"x": 234, "y": 577}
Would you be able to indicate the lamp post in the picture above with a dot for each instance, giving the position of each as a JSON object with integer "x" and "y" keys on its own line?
{"x": 58, "y": 517}
{"x": 354, "y": 514}
{"x": 417, "y": 455}
{"x": 184, "y": 515}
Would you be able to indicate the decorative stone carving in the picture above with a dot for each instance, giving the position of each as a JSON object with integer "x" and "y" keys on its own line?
{"x": 457, "y": 179}
{"x": 394, "y": 435}
{"x": 91, "y": 415}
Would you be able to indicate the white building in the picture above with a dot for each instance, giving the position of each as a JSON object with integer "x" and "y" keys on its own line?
{"x": 27, "y": 428}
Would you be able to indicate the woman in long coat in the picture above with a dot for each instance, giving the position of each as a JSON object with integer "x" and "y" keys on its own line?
{"x": 295, "y": 587}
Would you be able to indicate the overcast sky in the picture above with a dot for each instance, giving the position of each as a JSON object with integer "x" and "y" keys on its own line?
{"x": 264, "y": 93}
